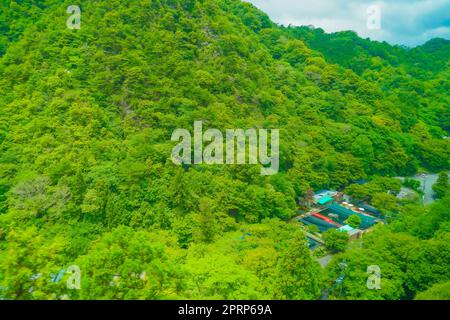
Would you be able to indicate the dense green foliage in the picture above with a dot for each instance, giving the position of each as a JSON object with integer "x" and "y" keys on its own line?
{"x": 439, "y": 291}
{"x": 412, "y": 253}
{"x": 335, "y": 240}
{"x": 354, "y": 221}
{"x": 86, "y": 178}
{"x": 441, "y": 188}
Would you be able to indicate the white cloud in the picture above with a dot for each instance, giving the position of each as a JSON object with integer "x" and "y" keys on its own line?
{"x": 408, "y": 22}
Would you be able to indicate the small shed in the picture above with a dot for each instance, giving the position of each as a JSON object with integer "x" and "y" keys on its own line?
{"x": 324, "y": 200}
{"x": 352, "y": 232}
{"x": 324, "y": 197}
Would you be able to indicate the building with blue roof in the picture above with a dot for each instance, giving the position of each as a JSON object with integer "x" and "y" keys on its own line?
{"x": 352, "y": 232}
{"x": 324, "y": 197}
{"x": 343, "y": 214}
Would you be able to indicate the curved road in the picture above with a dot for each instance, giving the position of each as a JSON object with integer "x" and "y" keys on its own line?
{"x": 427, "y": 181}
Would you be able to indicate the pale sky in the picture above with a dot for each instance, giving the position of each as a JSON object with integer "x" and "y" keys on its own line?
{"x": 407, "y": 22}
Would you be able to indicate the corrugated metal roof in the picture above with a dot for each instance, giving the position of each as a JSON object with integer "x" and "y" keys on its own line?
{"x": 325, "y": 200}
{"x": 344, "y": 213}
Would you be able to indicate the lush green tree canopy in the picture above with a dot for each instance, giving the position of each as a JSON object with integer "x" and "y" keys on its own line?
{"x": 86, "y": 117}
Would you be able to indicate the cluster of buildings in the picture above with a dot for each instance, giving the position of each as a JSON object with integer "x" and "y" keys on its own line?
{"x": 331, "y": 209}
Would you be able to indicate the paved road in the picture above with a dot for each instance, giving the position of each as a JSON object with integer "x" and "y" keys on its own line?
{"x": 426, "y": 182}
{"x": 325, "y": 260}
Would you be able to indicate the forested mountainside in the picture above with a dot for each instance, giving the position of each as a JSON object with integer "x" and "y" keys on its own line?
{"x": 349, "y": 50}
{"x": 86, "y": 118}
